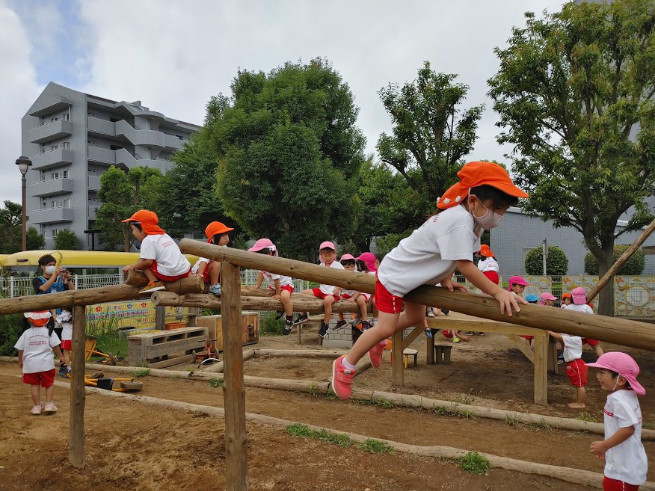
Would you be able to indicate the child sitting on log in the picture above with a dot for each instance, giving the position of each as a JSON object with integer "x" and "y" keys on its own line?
{"x": 210, "y": 270}
{"x": 160, "y": 258}
{"x": 282, "y": 285}
{"x": 359, "y": 323}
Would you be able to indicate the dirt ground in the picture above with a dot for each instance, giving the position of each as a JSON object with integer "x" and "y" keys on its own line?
{"x": 133, "y": 445}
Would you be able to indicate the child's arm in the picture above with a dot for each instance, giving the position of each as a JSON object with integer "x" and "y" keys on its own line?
{"x": 260, "y": 280}
{"x": 599, "y": 448}
{"x": 20, "y": 358}
{"x": 277, "y": 289}
{"x": 556, "y": 335}
{"x": 141, "y": 264}
{"x": 58, "y": 352}
{"x": 506, "y": 299}
{"x": 201, "y": 268}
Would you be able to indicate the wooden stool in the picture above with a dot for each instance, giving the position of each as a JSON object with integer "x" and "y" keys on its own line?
{"x": 442, "y": 353}
{"x": 407, "y": 352}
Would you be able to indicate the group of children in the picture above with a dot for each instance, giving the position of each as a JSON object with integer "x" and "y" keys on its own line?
{"x": 445, "y": 242}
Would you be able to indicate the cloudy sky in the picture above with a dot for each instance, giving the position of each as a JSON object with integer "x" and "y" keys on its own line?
{"x": 174, "y": 55}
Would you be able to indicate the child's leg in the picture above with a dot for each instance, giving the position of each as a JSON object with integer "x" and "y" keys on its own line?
{"x": 285, "y": 298}
{"x": 327, "y": 308}
{"x": 150, "y": 275}
{"x": 50, "y": 394}
{"x": 67, "y": 357}
{"x": 214, "y": 272}
{"x": 387, "y": 325}
{"x": 36, "y": 394}
{"x": 361, "y": 301}
{"x": 580, "y": 397}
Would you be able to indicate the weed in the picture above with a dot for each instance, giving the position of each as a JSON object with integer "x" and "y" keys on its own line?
{"x": 313, "y": 390}
{"x": 271, "y": 327}
{"x": 375, "y": 446}
{"x": 176, "y": 377}
{"x": 649, "y": 426}
{"x": 464, "y": 399}
{"x": 377, "y": 402}
{"x": 216, "y": 383}
{"x": 541, "y": 425}
{"x": 322, "y": 435}
{"x": 459, "y": 413}
{"x": 142, "y": 373}
{"x": 512, "y": 421}
{"x": 585, "y": 416}
{"x": 474, "y": 463}
{"x": 11, "y": 327}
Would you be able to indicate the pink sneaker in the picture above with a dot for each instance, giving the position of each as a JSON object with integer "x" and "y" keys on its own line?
{"x": 36, "y": 410}
{"x": 50, "y": 407}
{"x": 375, "y": 353}
{"x": 342, "y": 378}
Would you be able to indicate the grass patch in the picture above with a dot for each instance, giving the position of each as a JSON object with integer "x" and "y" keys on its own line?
{"x": 322, "y": 435}
{"x": 271, "y": 327}
{"x": 377, "y": 402}
{"x": 142, "y": 373}
{"x": 474, "y": 463}
{"x": 452, "y": 411}
{"x": 649, "y": 426}
{"x": 216, "y": 383}
{"x": 105, "y": 331}
{"x": 541, "y": 425}
{"x": 585, "y": 416}
{"x": 513, "y": 421}
{"x": 375, "y": 446}
{"x": 464, "y": 399}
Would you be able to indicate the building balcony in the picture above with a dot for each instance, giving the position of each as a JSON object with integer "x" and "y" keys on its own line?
{"x": 51, "y": 131}
{"x": 100, "y": 127}
{"x": 53, "y": 186}
{"x": 92, "y": 211}
{"x": 148, "y": 138}
{"x": 94, "y": 183}
{"x": 51, "y": 215}
{"x": 101, "y": 155}
{"x": 53, "y": 158}
{"x": 174, "y": 143}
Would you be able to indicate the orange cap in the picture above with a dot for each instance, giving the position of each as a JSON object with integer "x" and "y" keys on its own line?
{"x": 215, "y": 228}
{"x": 148, "y": 220}
{"x": 478, "y": 174}
{"x": 485, "y": 251}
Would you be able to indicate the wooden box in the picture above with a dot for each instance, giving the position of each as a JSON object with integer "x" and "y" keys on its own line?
{"x": 156, "y": 348}
{"x": 214, "y": 325}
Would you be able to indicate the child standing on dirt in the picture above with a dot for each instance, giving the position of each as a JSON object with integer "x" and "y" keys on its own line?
{"x": 35, "y": 347}
{"x": 576, "y": 369}
{"x": 328, "y": 293}
{"x": 626, "y": 463}
{"x": 210, "y": 270}
{"x": 446, "y": 241}
{"x": 348, "y": 262}
{"x": 579, "y": 296}
{"x": 65, "y": 321}
{"x": 282, "y": 285}
{"x": 160, "y": 258}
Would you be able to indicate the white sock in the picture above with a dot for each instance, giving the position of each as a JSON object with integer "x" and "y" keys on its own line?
{"x": 347, "y": 365}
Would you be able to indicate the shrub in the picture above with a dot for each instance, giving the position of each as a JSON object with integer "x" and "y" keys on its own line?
{"x": 557, "y": 263}
{"x": 633, "y": 266}
{"x": 271, "y": 327}
{"x": 11, "y": 327}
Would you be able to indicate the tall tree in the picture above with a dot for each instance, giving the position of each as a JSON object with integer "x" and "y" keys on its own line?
{"x": 575, "y": 96}
{"x": 431, "y": 132}
{"x": 34, "y": 239}
{"x": 67, "y": 240}
{"x": 11, "y": 227}
{"x": 289, "y": 154}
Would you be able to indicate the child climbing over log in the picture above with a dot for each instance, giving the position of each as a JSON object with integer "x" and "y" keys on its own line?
{"x": 210, "y": 269}
{"x": 447, "y": 240}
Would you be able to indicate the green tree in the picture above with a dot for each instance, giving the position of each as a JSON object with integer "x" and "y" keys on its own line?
{"x": 557, "y": 264}
{"x": 633, "y": 266}
{"x": 575, "y": 97}
{"x": 67, "y": 240}
{"x": 288, "y": 155}
{"x": 34, "y": 240}
{"x": 431, "y": 132}
{"x": 11, "y": 227}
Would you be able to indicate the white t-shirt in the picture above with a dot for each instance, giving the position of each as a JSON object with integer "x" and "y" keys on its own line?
{"x": 584, "y": 308}
{"x": 428, "y": 255}
{"x": 329, "y": 289}
{"x": 572, "y": 347}
{"x": 164, "y": 250}
{"x": 270, "y": 279}
{"x": 37, "y": 346}
{"x": 626, "y": 461}
{"x": 200, "y": 260}
{"x": 64, "y": 319}
{"x": 488, "y": 264}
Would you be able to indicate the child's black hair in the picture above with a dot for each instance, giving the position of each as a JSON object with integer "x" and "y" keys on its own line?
{"x": 217, "y": 238}
{"x": 265, "y": 250}
{"x": 348, "y": 262}
{"x": 46, "y": 259}
{"x": 137, "y": 225}
{"x": 499, "y": 199}
{"x": 616, "y": 374}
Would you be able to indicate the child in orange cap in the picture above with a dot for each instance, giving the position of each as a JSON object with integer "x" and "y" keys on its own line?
{"x": 447, "y": 240}
{"x": 210, "y": 270}
{"x": 160, "y": 258}
{"x": 488, "y": 264}
{"x": 35, "y": 347}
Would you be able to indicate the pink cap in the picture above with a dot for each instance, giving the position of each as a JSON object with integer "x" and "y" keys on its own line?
{"x": 579, "y": 295}
{"x": 262, "y": 244}
{"x": 547, "y": 296}
{"x": 327, "y": 245}
{"x": 623, "y": 364}
{"x": 369, "y": 259}
{"x": 516, "y": 280}
{"x": 347, "y": 257}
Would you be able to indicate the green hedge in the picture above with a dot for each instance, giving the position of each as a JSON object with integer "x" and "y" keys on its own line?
{"x": 633, "y": 266}
{"x": 557, "y": 263}
{"x": 11, "y": 327}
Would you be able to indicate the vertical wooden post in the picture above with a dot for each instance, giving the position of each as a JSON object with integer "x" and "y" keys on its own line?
{"x": 236, "y": 444}
{"x": 541, "y": 368}
{"x": 160, "y": 318}
{"x": 397, "y": 366}
{"x": 76, "y": 449}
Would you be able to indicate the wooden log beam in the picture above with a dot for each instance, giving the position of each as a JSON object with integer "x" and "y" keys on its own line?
{"x": 301, "y": 303}
{"x": 185, "y": 285}
{"x": 609, "y": 329}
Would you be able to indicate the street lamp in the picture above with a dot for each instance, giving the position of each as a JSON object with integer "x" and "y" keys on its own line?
{"x": 24, "y": 164}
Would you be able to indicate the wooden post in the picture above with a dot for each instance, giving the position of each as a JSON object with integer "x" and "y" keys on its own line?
{"x": 77, "y": 396}
{"x": 160, "y": 318}
{"x": 397, "y": 367}
{"x": 236, "y": 445}
{"x": 541, "y": 368}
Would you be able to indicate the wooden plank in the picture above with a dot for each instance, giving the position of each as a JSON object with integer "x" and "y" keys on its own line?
{"x": 77, "y": 394}
{"x": 172, "y": 347}
{"x": 541, "y": 369}
{"x": 412, "y": 336}
{"x": 173, "y": 361}
{"x": 236, "y": 443}
{"x": 397, "y": 366}
{"x": 519, "y": 343}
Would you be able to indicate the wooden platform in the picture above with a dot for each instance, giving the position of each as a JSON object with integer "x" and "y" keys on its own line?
{"x": 159, "y": 349}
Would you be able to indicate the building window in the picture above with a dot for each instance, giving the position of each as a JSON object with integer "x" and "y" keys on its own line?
{"x": 65, "y": 174}
{"x": 54, "y": 232}
{"x": 66, "y": 145}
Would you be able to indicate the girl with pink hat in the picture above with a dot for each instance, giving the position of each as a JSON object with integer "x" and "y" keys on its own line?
{"x": 280, "y": 284}
{"x": 579, "y": 296}
{"x": 626, "y": 463}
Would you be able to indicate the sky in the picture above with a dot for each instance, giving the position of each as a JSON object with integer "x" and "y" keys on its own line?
{"x": 174, "y": 55}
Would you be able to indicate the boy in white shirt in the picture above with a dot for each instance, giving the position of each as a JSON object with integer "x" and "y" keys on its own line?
{"x": 160, "y": 258}
{"x": 35, "y": 347}
{"x": 576, "y": 369}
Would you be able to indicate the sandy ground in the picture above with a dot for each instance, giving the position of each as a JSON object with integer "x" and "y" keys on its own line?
{"x": 132, "y": 445}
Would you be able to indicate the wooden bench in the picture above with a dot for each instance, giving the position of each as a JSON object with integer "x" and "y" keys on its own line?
{"x": 407, "y": 352}
{"x": 154, "y": 349}
{"x": 442, "y": 353}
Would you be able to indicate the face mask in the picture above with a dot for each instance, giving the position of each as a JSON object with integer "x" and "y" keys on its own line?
{"x": 50, "y": 269}
{"x": 489, "y": 220}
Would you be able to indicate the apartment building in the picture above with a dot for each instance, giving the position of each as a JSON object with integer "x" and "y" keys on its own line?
{"x": 72, "y": 138}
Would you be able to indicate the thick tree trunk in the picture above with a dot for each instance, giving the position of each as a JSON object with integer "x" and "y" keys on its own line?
{"x": 606, "y": 296}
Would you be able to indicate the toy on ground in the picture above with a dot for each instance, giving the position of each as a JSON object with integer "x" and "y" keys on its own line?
{"x": 91, "y": 349}
{"x": 99, "y": 380}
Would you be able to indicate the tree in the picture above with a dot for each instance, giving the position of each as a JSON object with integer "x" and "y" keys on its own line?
{"x": 34, "y": 240}
{"x": 11, "y": 227}
{"x": 633, "y": 266}
{"x": 557, "y": 264}
{"x": 575, "y": 97}
{"x": 288, "y": 155}
{"x": 67, "y": 240}
{"x": 431, "y": 133}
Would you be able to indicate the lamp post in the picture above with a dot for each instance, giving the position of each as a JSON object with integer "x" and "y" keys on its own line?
{"x": 24, "y": 164}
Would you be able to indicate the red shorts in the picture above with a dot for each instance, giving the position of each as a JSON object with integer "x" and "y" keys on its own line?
{"x": 288, "y": 288}
{"x": 590, "y": 342}
{"x": 66, "y": 344}
{"x": 364, "y": 295}
{"x": 168, "y": 279}
{"x": 492, "y": 275}
{"x": 319, "y": 294}
{"x": 385, "y": 301}
{"x": 44, "y": 379}
{"x": 610, "y": 484}
{"x": 577, "y": 372}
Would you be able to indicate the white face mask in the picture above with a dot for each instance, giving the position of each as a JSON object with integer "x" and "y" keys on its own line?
{"x": 50, "y": 269}
{"x": 489, "y": 220}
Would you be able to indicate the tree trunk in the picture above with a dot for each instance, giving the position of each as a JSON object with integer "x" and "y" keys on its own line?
{"x": 606, "y": 296}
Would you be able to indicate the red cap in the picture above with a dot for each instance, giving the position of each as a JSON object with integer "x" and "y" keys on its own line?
{"x": 39, "y": 318}
{"x": 485, "y": 251}
{"x": 215, "y": 228}
{"x": 148, "y": 220}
